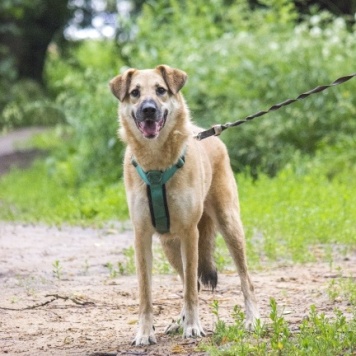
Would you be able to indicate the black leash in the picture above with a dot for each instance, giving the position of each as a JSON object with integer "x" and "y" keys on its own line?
{"x": 216, "y": 130}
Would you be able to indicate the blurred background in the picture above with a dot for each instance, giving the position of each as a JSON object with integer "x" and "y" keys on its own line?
{"x": 56, "y": 58}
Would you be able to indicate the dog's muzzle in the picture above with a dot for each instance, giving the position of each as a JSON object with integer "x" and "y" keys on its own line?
{"x": 150, "y": 119}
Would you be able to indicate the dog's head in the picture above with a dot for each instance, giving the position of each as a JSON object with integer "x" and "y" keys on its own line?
{"x": 149, "y": 96}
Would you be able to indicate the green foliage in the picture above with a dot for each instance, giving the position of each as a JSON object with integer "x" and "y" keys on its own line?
{"x": 81, "y": 85}
{"x": 15, "y": 10}
{"x": 318, "y": 335}
{"x": 25, "y": 104}
{"x": 241, "y": 61}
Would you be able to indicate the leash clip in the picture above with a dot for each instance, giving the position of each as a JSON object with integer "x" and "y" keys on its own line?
{"x": 218, "y": 129}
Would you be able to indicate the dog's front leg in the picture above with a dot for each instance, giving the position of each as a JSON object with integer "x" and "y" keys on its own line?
{"x": 190, "y": 314}
{"x": 143, "y": 249}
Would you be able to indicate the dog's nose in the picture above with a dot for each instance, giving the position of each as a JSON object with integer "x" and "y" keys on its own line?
{"x": 149, "y": 108}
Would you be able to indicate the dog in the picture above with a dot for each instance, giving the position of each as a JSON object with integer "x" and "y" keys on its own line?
{"x": 201, "y": 196}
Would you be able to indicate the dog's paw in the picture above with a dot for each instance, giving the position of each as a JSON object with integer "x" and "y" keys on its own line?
{"x": 252, "y": 319}
{"x": 251, "y": 323}
{"x": 193, "y": 331}
{"x": 173, "y": 328}
{"x": 144, "y": 340}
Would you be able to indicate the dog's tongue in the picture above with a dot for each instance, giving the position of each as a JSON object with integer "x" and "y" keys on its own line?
{"x": 149, "y": 128}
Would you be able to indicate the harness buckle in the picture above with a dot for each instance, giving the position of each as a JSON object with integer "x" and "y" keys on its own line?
{"x": 154, "y": 177}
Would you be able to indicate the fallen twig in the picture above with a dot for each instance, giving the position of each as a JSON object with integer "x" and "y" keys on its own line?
{"x": 74, "y": 300}
{"x": 54, "y": 297}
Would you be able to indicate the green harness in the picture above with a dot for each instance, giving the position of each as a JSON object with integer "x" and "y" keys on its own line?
{"x": 156, "y": 192}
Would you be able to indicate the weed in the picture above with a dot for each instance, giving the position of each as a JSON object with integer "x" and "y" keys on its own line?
{"x": 322, "y": 336}
{"x": 222, "y": 256}
{"x": 123, "y": 268}
{"x": 86, "y": 266}
{"x": 343, "y": 288}
{"x": 57, "y": 269}
{"x": 317, "y": 335}
{"x": 280, "y": 333}
{"x": 128, "y": 266}
{"x": 113, "y": 273}
{"x": 160, "y": 262}
{"x": 14, "y": 300}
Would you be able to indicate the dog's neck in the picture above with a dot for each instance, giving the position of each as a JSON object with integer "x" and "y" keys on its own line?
{"x": 162, "y": 152}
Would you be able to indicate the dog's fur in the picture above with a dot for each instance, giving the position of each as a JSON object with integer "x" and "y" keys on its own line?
{"x": 202, "y": 195}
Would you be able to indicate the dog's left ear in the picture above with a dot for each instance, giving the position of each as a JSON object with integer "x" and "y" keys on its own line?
{"x": 121, "y": 83}
{"x": 174, "y": 78}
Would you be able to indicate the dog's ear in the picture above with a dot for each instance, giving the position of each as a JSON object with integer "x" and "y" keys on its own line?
{"x": 121, "y": 83}
{"x": 174, "y": 78}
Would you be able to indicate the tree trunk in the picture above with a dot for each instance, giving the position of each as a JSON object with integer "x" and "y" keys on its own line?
{"x": 25, "y": 38}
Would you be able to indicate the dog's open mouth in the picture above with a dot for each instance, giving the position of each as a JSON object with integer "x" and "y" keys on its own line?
{"x": 150, "y": 128}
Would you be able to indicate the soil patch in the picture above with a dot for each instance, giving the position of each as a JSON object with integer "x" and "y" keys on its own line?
{"x": 90, "y": 313}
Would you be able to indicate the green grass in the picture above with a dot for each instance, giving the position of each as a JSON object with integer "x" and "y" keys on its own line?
{"x": 287, "y": 218}
{"x": 297, "y": 216}
{"x": 35, "y": 195}
{"x": 317, "y": 335}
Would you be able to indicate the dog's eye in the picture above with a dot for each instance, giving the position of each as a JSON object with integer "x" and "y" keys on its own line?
{"x": 135, "y": 93}
{"x": 161, "y": 91}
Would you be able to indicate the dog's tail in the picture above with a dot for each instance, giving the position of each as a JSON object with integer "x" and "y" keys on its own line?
{"x": 207, "y": 272}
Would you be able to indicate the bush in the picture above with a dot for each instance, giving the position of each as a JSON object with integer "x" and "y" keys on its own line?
{"x": 242, "y": 61}
{"x": 26, "y": 105}
{"x": 81, "y": 84}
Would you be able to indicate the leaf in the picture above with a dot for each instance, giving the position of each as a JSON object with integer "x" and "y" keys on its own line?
{"x": 178, "y": 349}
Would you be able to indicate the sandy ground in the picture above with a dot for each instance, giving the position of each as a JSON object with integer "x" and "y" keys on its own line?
{"x": 99, "y": 317}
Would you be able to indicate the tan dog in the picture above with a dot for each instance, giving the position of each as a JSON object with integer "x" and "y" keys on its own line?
{"x": 201, "y": 196}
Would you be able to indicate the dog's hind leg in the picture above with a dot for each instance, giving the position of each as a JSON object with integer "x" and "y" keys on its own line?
{"x": 171, "y": 248}
{"x": 231, "y": 228}
{"x": 206, "y": 267}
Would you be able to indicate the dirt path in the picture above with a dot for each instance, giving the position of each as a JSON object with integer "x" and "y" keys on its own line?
{"x": 106, "y": 322}
{"x": 12, "y": 152}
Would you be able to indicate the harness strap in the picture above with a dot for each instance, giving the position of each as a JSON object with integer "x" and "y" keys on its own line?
{"x": 156, "y": 192}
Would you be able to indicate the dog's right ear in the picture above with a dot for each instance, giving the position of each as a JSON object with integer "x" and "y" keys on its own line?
{"x": 121, "y": 83}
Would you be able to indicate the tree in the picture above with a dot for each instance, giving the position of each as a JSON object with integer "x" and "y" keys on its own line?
{"x": 27, "y": 28}
{"x": 339, "y": 8}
